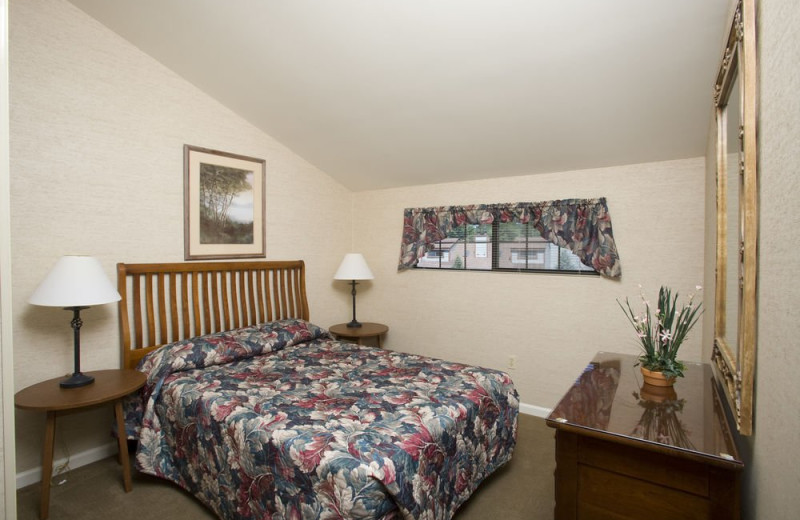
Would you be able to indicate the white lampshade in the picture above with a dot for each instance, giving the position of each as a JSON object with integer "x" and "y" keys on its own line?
{"x": 75, "y": 281}
{"x": 353, "y": 267}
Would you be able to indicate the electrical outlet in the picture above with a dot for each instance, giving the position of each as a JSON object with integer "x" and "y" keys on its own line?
{"x": 512, "y": 362}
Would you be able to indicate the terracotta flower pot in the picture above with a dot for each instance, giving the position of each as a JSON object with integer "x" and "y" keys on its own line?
{"x": 657, "y": 394}
{"x": 656, "y": 378}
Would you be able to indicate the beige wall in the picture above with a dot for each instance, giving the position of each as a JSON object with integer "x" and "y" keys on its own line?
{"x": 97, "y": 135}
{"x": 773, "y": 480}
{"x": 553, "y": 324}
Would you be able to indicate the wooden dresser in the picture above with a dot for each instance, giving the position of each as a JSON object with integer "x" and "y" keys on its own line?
{"x": 629, "y": 451}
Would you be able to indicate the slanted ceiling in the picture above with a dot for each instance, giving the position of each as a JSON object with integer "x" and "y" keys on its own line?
{"x": 387, "y": 93}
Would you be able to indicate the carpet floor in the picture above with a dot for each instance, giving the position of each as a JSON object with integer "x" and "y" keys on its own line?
{"x": 523, "y": 488}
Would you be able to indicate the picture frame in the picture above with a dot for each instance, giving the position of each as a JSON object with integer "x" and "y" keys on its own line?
{"x": 224, "y": 205}
{"x": 733, "y": 356}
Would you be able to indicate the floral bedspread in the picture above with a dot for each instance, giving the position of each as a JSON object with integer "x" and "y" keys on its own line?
{"x": 282, "y": 421}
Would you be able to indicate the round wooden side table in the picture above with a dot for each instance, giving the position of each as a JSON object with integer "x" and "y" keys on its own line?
{"x": 49, "y": 397}
{"x": 359, "y": 334}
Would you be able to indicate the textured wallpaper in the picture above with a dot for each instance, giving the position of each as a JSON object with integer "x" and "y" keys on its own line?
{"x": 772, "y": 483}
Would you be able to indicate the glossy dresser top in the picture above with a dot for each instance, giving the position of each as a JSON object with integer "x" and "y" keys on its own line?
{"x": 610, "y": 400}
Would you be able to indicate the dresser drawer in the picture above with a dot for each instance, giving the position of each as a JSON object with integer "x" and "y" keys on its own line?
{"x": 673, "y": 472}
{"x": 602, "y": 493}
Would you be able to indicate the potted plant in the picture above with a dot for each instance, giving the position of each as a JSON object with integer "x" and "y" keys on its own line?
{"x": 661, "y": 332}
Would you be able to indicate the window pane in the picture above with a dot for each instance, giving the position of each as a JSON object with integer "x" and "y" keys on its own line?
{"x": 570, "y": 262}
{"x": 467, "y": 247}
{"x": 440, "y": 257}
{"x": 518, "y": 247}
{"x": 521, "y": 247}
{"x": 479, "y": 247}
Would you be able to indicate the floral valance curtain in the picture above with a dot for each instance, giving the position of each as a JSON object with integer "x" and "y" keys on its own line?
{"x": 581, "y": 225}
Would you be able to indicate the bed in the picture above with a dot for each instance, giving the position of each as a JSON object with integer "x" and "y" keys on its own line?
{"x": 259, "y": 413}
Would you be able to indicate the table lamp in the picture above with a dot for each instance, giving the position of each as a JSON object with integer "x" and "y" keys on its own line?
{"x": 75, "y": 283}
{"x": 353, "y": 267}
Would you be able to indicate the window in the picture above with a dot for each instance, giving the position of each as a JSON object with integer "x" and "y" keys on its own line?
{"x": 500, "y": 246}
{"x": 435, "y": 258}
{"x": 527, "y": 256}
{"x": 440, "y": 256}
{"x": 481, "y": 251}
{"x": 556, "y": 235}
{"x": 437, "y": 254}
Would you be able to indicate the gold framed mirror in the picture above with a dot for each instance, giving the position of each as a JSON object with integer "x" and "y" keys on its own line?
{"x": 733, "y": 356}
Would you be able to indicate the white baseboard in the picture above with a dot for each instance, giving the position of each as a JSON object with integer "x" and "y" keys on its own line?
{"x": 34, "y": 475}
{"x": 532, "y": 409}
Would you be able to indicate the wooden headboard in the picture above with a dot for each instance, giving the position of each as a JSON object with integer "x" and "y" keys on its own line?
{"x": 163, "y": 303}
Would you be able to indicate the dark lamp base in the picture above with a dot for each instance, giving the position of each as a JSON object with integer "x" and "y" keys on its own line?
{"x": 77, "y": 379}
{"x": 354, "y": 324}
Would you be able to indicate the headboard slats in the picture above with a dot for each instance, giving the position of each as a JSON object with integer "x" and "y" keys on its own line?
{"x": 234, "y": 301}
{"x": 163, "y": 328}
{"x": 137, "y": 310}
{"x": 251, "y": 295}
{"x": 185, "y": 331}
{"x": 259, "y": 282}
{"x": 215, "y": 303}
{"x": 285, "y": 284}
{"x": 243, "y": 295}
{"x": 289, "y": 288}
{"x": 192, "y": 299}
{"x": 224, "y": 320}
{"x": 293, "y": 283}
{"x": 280, "y": 290}
{"x": 196, "y": 329}
{"x": 173, "y": 307}
{"x": 148, "y": 295}
{"x": 208, "y": 325}
{"x": 276, "y": 306}
{"x": 268, "y": 297}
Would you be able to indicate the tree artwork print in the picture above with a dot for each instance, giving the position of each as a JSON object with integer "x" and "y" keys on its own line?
{"x": 226, "y": 205}
{"x": 224, "y": 212}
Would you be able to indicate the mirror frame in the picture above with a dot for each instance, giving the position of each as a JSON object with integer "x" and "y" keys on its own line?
{"x": 733, "y": 359}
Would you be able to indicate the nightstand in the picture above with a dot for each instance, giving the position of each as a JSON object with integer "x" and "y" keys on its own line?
{"x": 49, "y": 397}
{"x": 359, "y": 334}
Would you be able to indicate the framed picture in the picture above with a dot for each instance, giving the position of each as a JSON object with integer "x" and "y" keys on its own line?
{"x": 224, "y": 205}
